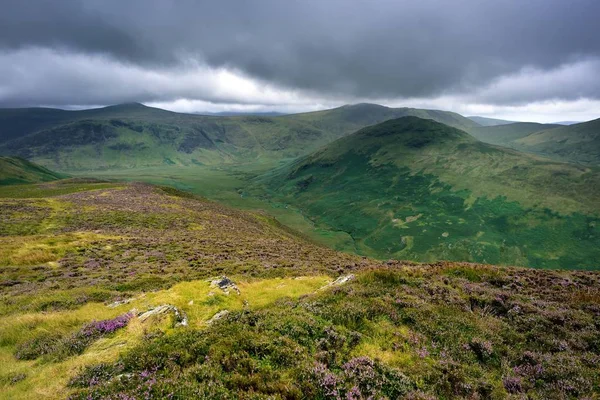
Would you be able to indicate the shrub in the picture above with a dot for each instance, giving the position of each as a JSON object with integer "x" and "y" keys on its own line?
{"x": 38, "y": 346}
{"x": 513, "y": 384}
{"x": 59, "y": 347}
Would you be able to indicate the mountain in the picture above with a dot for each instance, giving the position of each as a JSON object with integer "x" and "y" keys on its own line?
{"x": 130, "y": 136}
{"x": 15, "y": 170}
{"x": 576, "y": 143}
{"x": 484, "y": 121}
{"x": 505, "y": 135}
{"x": 416, "y": 189}
{"x": 130, "y": 291}
{"x": 134, "y": 136}
{"x": 19, "y": 122}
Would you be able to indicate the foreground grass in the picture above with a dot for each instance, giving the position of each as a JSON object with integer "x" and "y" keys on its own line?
{"x": 78, "y": 269}
{"x": 447, "y": 331}
{"x": 48, "y": 377}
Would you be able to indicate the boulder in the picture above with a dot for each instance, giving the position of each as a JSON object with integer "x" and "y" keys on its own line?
{"x": 217, "y": 316}
{"x": 180, "y": 317}
{"x": 225, "y": 284}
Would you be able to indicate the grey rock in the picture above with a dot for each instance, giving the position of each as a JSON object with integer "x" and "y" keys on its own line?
{"x": 180, "y": 316}
{"x": 225, "y": 284}
{"x": 217, "y": 316}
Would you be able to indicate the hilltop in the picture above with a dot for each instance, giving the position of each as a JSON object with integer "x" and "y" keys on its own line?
{"x": 113, "y": 290}
{"x": 416, "y": 189}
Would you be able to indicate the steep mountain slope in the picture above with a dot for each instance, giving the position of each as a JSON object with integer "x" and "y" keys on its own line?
{"x": 483, "y": 121}
{"x": 577, "y": 143}
{"x": 132, "y": 135}
{"x": 505, "y": 135}
{"x": 113, "y": 290}
{"x": 15, "y": 170}
{"x": 416, "y": 189}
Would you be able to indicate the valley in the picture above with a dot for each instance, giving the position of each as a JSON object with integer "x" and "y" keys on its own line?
{"x": 301, "y": 200}
{"x": 356, "y": 262}
{"x": 426, "y": 192}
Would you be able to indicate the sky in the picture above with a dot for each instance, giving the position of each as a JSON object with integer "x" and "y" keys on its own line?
{"x": 534, "y": 60}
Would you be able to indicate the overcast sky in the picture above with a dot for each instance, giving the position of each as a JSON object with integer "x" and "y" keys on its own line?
{"x": 517, "y": 59}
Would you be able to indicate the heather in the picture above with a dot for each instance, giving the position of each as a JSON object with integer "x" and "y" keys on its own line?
{"x": 394, "y": 331}
{"x": 57, "y": 348}
{"x": 108, "y": 291}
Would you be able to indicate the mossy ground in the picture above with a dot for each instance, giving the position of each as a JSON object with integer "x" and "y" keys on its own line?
{"x": 49, "y": 378}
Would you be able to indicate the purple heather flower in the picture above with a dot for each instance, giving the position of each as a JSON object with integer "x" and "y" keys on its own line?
{"x": 353, "y": 394}
{"x": 513, "y": 384}
{"x": 423, "y": 352}
{"x": 98, "y": 328}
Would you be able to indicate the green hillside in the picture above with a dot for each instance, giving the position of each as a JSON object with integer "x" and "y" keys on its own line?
{"x": 136, "y": 136}
{"x": 15, "y": 170}
{"x": 132, "y": 291}
{"x": 506, "y": 135}
{"x": 575, "y": 143}
{"x": 416, "y": 189}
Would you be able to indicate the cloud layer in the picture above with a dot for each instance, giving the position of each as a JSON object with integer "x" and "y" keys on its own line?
{"x": 295, "y": 55}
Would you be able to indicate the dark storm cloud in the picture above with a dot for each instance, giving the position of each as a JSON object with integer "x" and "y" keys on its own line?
{"x": 356, "y": 48}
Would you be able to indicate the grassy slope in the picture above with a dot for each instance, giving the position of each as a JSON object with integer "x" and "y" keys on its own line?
{"x": 15, "y": 170}
{"x": 134, "y": 136}
{"x": 576, "y": 143}
{"x": 505, "y": 135}
{"x": 416, "y": 189}
{"x": 445, "y": 330}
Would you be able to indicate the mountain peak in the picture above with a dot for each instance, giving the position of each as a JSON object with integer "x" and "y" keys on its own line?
{"x": 128, "y": 106}
{"x": 413, "y": 129}
{"x": 364, "y": 106}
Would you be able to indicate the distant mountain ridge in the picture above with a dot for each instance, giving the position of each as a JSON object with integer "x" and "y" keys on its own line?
{"x": 567, "y": 122}
{"x": 575, "y": 143}
{"x": 578, "y": 143}
{"x": 133, "y": 135}
{"x": 485, "y": 121}
{"x": 505, "y": 135}
{"x": 238, "y": 113}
